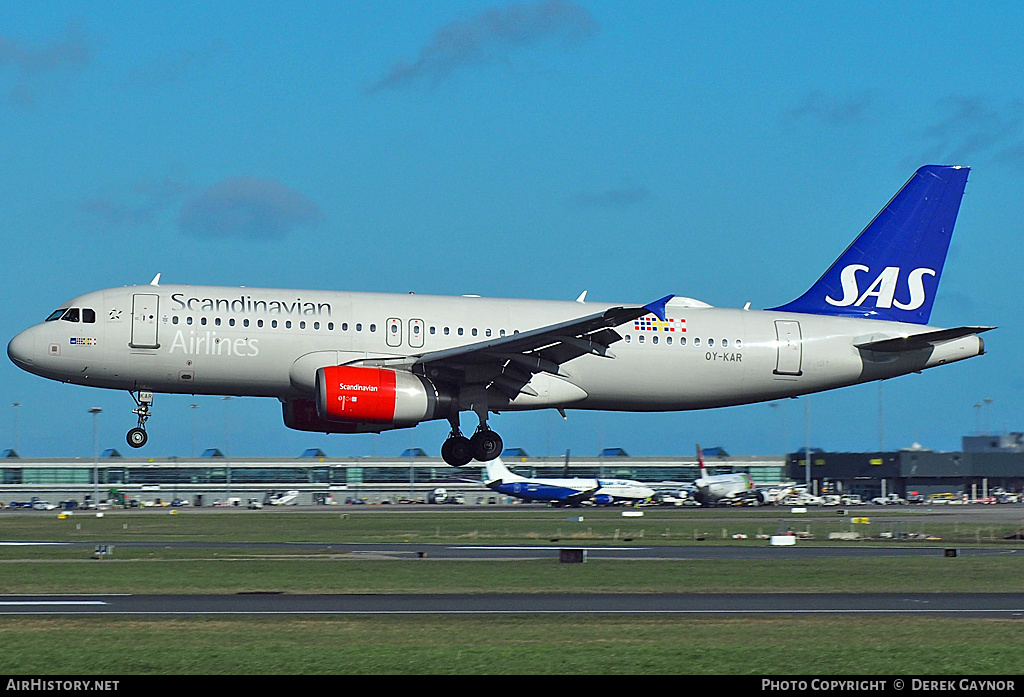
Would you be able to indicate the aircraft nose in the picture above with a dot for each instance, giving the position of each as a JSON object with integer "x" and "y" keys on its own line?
{"x": 21, "y": 349}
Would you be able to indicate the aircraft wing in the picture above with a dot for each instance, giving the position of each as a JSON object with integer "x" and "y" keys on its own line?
{"x": 579, "y": 498}
{"x": 921, "y": 341}
{"x": 508, "y": 363}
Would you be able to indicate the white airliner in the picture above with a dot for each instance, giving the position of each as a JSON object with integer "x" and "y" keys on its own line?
{"x": 568, "y": 491}
{"x": 346, "y": 362}
{"x": 710, "y": 489}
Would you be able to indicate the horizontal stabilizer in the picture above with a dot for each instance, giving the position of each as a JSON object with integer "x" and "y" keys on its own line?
{"x": 921, "y": 341}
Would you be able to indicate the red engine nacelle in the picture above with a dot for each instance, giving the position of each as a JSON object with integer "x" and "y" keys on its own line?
{"x": 378, "y": 396}
{"x": 301, "y": 415}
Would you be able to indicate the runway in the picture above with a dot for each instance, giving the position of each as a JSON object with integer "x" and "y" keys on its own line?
{"x": 974, "y": 605}
{"x": 551, "y": 551}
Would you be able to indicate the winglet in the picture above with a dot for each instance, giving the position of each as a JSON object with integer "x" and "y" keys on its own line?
{"x": 658, "y": 307}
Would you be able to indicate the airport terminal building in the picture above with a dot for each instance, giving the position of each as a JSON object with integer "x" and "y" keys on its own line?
{"x": 412, "y": 476}
{"x": 985, "y": 464}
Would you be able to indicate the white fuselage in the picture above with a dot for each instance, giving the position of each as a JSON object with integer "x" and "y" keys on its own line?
{"x": 270, "y": 343}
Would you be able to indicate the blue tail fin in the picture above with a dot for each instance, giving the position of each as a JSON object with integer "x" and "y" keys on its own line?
{"x": 891, "y": 271}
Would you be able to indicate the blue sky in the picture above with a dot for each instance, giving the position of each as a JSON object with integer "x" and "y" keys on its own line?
{"x": 723, "y": 151}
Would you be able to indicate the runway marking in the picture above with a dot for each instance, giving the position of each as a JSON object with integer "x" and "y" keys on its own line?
{"x": 51, "y": 602}
{"x": 1015, "y": 613}
{"x": 548, "y": 549}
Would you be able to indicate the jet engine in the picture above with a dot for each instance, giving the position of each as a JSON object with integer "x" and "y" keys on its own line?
{"x": 378, "y": 397}
{"x": 301, "y": 415}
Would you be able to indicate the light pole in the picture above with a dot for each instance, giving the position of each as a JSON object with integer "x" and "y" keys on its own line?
{"x": 95, "y": 411}
{"x": 15, "y": 406}
{"x": 227, "y": 442}
{"x": 807, "y": 442}
{"x": 193, "y": 407}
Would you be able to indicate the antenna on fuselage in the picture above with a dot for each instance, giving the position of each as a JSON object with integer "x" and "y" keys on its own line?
{"x": 155, "y": 281}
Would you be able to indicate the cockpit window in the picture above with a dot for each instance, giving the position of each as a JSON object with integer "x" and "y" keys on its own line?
{"x": 56, "y": 314}
{"x": 88, "y": 315}
{"x": 71, "y": 315}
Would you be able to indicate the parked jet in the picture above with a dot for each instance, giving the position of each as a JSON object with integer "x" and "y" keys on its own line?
{"x": 566, "y": 491}
{"x": 344, "y": 362}
{"x": 710, "y": 489}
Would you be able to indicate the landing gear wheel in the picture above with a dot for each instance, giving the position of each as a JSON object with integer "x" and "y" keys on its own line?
{"x": 137, "y": 437}
{"x": 486, "y": 445}
{"x": 457, "y": 451}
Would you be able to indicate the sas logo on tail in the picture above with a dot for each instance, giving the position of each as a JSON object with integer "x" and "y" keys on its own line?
{"x": 883, "y": 288}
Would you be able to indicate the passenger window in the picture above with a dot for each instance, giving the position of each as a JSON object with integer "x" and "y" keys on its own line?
{"x": 725, "y": 343}
{"x": 287, "y": 324}
{"x": 88, "y": 316}
{"x": 273, "y": 324}
{"x": 302, "y": 325}
{"x": 259, "y": 323}
{"x": 188, "y": 320}
{"x": 654, "y": 339}
{"x": 359, "y": 326}
{"x": 373, "y": 327}
{"x": 344, "y": 326}
{"x": 216, "y": 322}
{"x": 711, "y": 342}
{"x": 641, "y": 338}
{"x": 460, "y": 331}
{"x": 447, "y": 331}
{"x": 231, "y": 322}
{"x": 629, "y": 338}
{"x": 739, "y": 344}
{"x": 174, "y": 320}
{"x": 668, "y": 341}
{"x": 316, "y": 325}
{"x": 696, "y": 342}
{"x": 474, "y": 331}
{"x": 682, "y": 341}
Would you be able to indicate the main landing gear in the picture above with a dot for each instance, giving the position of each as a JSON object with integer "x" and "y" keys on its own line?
{"x": 484, "y": 446}
{"x": 137, "y": 437}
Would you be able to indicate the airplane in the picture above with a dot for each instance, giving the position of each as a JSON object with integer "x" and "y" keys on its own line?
{"x": 349, "y": 362}
{"x": 713, "y": 489}
{"x": 566, "y": 491}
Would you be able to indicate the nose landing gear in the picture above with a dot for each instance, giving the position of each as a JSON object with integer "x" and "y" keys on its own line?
{"x": 137, "y": 437}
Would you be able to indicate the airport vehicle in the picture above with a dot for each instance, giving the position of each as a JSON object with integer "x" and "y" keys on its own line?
{"x": 347, "y": 362}
{"x": 441, "y": 496}
{"x": 567, "y": 491}
{"x": 277, "y": 498}
{"x": 888, "y": 500}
